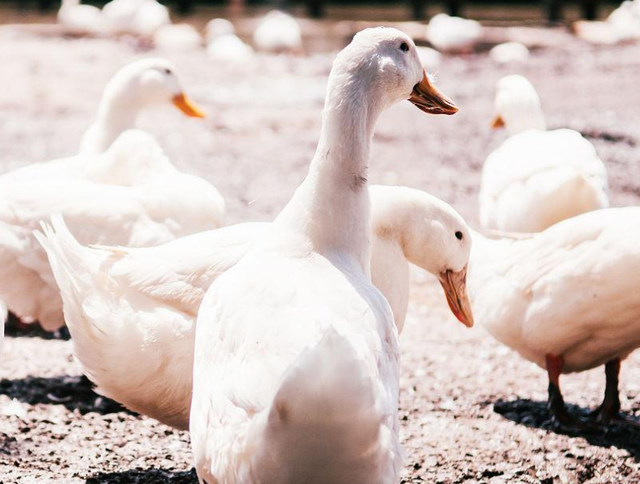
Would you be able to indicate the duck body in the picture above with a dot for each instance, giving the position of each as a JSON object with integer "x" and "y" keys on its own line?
{"x": 622, "y": 25}
{"x": 278, "y": 32}
{"x": 131, "y": 195}
{"x": 536, "y": 177}
{"x": 138, "y": 17}
{"x": 229, "y": 47}
{"x": 139, "y": 294}
{"x": 302, "y": 418}
{"x": 453, "y": 34}
{"x": 81, "y": 19}
{"x": 566, "y": 291}
{"x": 509, "y": 53}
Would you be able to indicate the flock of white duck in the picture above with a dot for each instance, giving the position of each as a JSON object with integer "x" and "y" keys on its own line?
{"x": 149, "y": 19}
{"x": 276, "y": 344}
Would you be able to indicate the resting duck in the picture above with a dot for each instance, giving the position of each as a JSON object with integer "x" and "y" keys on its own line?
{"x": 622, "y": 25}
{"x": 509, "y": 53}
{"x": 565, "y": 299}
{"x": 80, "y": 19}
{"x": 278, "y": 32}
{"x": 453, "y": 34}
{"x": 130, "y": 195}
{"x": 136, "y": 17}
{"x": 121, "y": 303}
{"x": 224, "y": 44}
{"x": 536, "y": 178}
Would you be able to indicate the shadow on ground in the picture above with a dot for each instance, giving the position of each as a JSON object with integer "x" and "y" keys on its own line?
{"x": 17, "y": 329}
{"x": 74, "y": 392}
{"x": 536, "y": 415}
{"x": 145, "y": 476}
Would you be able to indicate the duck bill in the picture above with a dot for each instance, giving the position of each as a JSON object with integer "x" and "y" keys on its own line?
{"x": 187, "y": 106}
{"x": 426, "y": 97}
{"x": 455, "y": 289}
{"x": 497, "y": 122}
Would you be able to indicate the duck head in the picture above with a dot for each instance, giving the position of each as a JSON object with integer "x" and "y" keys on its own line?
{"x": 517, "y": 106}
{"x": 431, "y": 235}
{"x": 387, "y": 62}
{"x": 147, "y": 82}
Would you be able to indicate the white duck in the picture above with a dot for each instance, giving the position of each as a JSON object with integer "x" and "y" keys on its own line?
{"x": 137, "y": 17}
{"x": 566, "y": 299}
{"x": 536, "y": 177}
{"x": 81, "y": 19}
{"x": 278, "y": 32}
{"x": 223, "y": 43}
{"x": 145, "y": 301}
{"x": 137, "y": 85}
{"x": 623, "y": 24}
{"x": 131, "y": 195}
{"x": 453, "y": 34}
{"x": 509, "y": 53}
{"x": 133, "y": 88}
{"x": 296, "y": 360}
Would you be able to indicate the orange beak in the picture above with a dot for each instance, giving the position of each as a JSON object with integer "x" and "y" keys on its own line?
{"x": 429, "y": 99}
{"x": 455, "y": 290}
{"x": 497, "y": 122}
{"x": 187, "y": 106}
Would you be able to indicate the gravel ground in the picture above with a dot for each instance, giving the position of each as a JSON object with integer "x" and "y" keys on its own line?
{"x": 472, "y": 411}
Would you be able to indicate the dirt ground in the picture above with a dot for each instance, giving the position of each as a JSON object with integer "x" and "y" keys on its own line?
{"x": 472, "y": 411}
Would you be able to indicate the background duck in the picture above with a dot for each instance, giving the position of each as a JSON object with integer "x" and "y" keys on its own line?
{"x": 536, "y": 177}
{"x": 565, "y": 299}
{"x": 81, "y": 19}
{"x": 145, "y": 301}
{"x": 133, "y": 88}
{"x": 136, "y": 17}
{"x": 263, "y": 329}
{"x": 131, "y": 195}
{"x": 278, "y": 32}
{"x": 453, "y": 34}
{"x": 224, "y": 44}
{"x": 623, "y": 24}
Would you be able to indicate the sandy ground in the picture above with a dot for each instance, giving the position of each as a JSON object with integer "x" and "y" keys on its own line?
{"x": 472, "y": 411}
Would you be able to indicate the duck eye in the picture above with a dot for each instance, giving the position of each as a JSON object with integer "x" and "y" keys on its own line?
{"x": 404, "y": 47}
{"x": 167, "y": 71}
{"x": 459, "y": 235}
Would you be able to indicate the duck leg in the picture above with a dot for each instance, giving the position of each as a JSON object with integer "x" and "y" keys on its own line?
{"x": 559, "y": 415}
{"x": 609, "y": 410}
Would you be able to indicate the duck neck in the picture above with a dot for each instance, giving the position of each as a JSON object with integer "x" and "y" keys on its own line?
{"x": 332, "y": 206}
{"x": 115, "y": 115}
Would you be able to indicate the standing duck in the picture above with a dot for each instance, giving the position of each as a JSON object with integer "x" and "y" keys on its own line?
{"x": 122, "y": 303}
{"x": 536, "y": 177}
{"x": 565, "y": 298}
{"x": 296, "y": 360}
